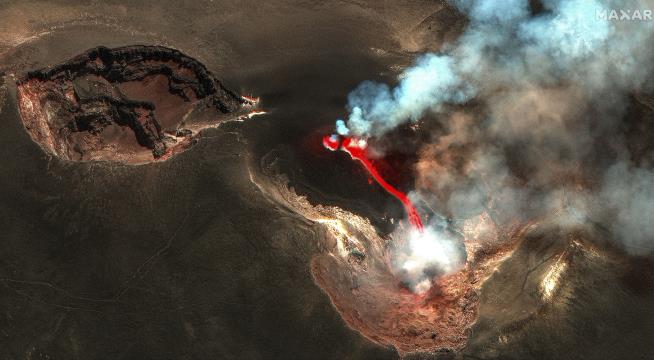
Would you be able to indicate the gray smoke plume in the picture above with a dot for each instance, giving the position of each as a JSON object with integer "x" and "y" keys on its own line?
{"x": 531, "y": 110}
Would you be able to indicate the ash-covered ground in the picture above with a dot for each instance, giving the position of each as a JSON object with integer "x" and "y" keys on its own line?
{"x": 211, "y": 255}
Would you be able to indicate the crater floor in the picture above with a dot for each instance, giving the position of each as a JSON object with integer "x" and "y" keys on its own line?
{"x": 134, "y": 104}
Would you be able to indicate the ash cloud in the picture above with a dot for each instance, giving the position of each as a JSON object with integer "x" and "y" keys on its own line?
{"x": 628, "y": 192}
{"x": 531, "y": 109}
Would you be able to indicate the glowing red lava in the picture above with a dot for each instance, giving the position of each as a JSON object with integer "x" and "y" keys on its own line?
{"x": 356, "y": 148}
{"x": 365, "y": 289}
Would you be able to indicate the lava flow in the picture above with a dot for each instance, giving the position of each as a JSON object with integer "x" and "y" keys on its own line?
{"x": 356, "y": 148}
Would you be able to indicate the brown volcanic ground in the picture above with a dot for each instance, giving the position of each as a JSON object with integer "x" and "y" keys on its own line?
{"x": 371, "y": 300}
{"x": 190, "y": 259}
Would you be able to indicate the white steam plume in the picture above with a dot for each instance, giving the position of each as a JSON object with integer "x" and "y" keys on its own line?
{"x": 554, "y": 87}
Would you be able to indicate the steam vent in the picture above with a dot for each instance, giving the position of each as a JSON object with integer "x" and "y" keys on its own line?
{"x": 133, "y": 105}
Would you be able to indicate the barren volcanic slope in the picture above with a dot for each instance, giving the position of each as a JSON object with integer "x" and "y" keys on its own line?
{"x": 133, "y": 104}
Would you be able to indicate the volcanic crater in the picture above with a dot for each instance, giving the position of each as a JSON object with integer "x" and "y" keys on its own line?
{"x": 132, "y": 105}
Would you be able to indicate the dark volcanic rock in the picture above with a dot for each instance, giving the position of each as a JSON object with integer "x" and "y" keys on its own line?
{"x": 133, "y": 104}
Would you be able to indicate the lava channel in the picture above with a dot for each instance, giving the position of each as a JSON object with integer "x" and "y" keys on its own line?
{"x": 356, "y": 148}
